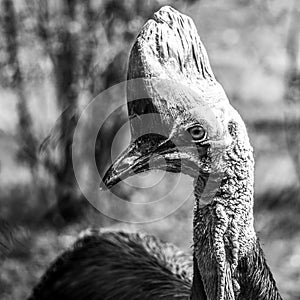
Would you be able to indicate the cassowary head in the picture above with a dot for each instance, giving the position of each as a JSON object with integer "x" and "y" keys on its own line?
{"x": 181, "y": 119}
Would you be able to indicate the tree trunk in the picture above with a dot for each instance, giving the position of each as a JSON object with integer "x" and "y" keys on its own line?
{"x": 26, "y": 140}
{"x": 66, "y": 68}
{"x": 292, "y": 117}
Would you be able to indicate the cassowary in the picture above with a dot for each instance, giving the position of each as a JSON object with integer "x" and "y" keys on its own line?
{"x": 201, "y": 135}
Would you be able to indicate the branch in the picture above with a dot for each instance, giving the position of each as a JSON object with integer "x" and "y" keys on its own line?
{"x": 27, "y": 141}
{"x": 43, "y": 29}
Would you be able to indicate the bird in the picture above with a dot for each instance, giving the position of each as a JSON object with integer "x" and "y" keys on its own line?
{"x": 192, "y": 129}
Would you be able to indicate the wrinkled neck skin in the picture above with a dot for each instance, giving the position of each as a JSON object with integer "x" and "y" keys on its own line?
{"x": 224, "y": 237}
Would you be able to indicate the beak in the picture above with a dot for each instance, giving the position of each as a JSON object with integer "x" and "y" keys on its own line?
{"x": 148, "y": 152}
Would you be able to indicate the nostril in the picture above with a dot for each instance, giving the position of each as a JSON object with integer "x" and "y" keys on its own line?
{"x": 125, "y": 166}
{"x": 127, "y": 163}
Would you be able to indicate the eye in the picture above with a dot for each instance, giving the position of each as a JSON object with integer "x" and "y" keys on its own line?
{"x": 198, "y": 133}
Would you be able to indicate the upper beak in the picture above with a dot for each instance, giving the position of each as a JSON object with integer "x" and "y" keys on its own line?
{"x": 145, "y": 153}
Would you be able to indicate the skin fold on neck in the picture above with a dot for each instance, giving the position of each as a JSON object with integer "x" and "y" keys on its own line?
{"x": 226, "y": 251}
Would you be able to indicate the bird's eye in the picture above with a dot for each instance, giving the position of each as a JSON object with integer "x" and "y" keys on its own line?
{"x": 198, "y": 133}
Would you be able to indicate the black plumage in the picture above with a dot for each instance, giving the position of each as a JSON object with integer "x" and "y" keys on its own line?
{"x": 103, "y": 265}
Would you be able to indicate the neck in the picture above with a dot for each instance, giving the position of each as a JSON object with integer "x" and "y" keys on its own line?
{"x": 228, "y": 257}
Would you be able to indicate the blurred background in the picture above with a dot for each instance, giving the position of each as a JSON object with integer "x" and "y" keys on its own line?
{"x": 56, "y": 56}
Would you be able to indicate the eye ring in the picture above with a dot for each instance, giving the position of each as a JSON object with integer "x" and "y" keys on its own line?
{"x": 198, "y": 133}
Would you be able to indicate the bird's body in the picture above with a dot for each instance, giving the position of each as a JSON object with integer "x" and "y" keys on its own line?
{"x": 201, "y": 135}
{"x": 102, "y": 265}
